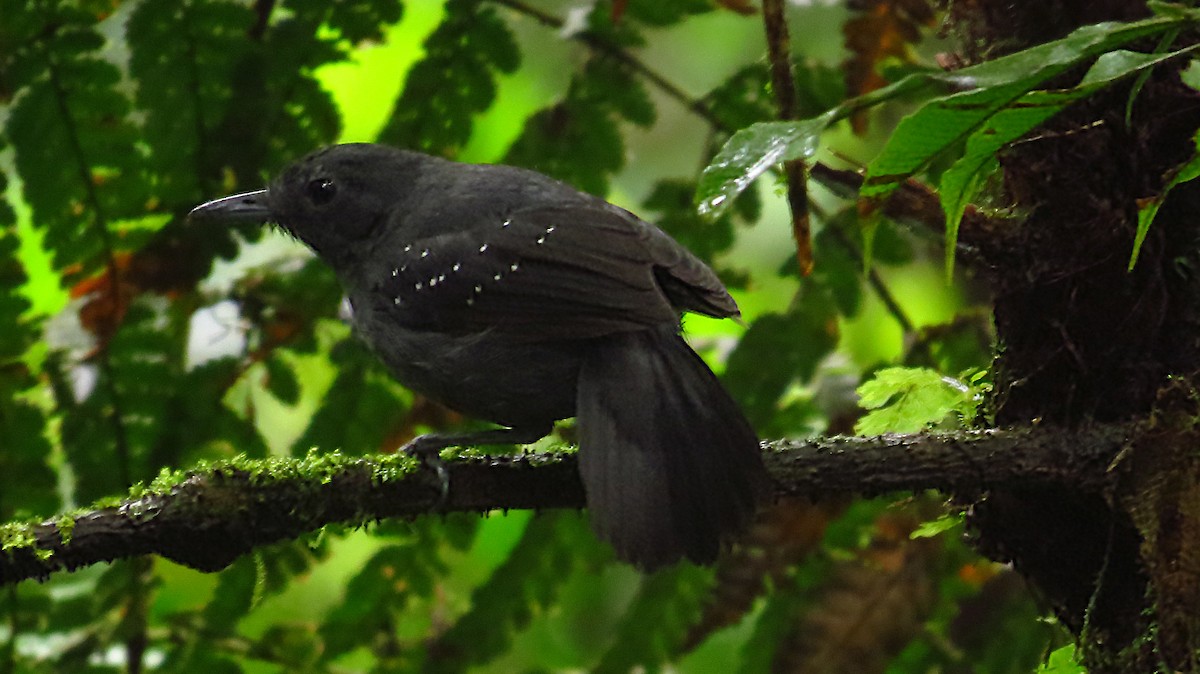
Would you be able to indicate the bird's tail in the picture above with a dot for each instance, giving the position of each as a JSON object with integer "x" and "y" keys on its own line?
{"x": 670, "y": 465}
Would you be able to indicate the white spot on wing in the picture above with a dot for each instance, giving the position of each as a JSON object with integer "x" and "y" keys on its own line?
{"x": 483, "y": 248}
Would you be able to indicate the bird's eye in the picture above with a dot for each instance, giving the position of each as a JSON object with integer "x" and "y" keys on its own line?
{"x": 321, "y": 191}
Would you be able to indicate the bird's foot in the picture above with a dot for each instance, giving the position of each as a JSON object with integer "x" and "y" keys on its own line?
{"x": 428, "y": 450}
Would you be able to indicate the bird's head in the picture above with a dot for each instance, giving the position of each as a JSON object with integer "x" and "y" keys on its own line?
{"x": 336, "y": 200}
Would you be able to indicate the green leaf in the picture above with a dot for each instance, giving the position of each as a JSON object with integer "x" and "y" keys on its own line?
{"x": 395, "y": 578}
{"x": 236, "y": 593}
{"x": 657, "y": 13}
{"x": 939, "y": 526}
{"x": 1191, "y": 74}
{"x": 553, "y": 545}
{"x": 777, "y": 351}
{"x": 281, "y": 380}
{"x": 455, "y": 80}
{"x": 200, "y": 661}
{"x": 1063, "y": 661}
{"x": 751, "y": 152}
{"x": 960, "y": 182}
{"x": 182, "y": 55}
{"x": 909, "y": 399}
{"x": 836, "y": 269}
{"x": 672, "y": 201}
{"x": 198, "y": 423}
{"x": 362, "y": 21}
{"x": 1148, "y": 209}
{"x": 744, "y": 98}
{"x": 27, "y": 483}
{"x": 363, "y": 404}
{"x": 79, "y": 157}
{"x": 655, "y": 624}
{"x": 577, "y": 139}
{"x": 112, "y": 430}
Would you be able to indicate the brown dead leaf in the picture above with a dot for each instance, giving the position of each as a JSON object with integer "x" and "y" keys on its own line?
{"x": 883, "y": 29}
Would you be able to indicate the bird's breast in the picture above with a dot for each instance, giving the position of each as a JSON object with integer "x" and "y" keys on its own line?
{"x": 485, "y": 374}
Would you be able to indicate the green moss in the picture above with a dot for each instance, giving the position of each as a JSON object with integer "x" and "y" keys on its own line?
{"x": 16, "y": 535}
{"x": 103, "y": 503}
{"x": 462, "y": 453}
{"x": 311, "y": 471}
{"x": 66, "y": 527}
{"x": 166, "y": 481}
{"x": 394, "y": 467}
{"x": 321, "y": 467}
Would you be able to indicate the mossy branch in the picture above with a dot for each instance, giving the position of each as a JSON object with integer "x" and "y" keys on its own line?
{"x": 211, "y": 515}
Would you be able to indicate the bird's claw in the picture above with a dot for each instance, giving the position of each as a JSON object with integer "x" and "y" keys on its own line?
{"x": 427, "y": 449}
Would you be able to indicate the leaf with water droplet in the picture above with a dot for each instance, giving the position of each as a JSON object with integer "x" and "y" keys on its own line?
{"x": 751, "y": 152}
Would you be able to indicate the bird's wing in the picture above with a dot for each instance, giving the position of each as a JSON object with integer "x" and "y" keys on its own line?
{"x": 555, "y": 272}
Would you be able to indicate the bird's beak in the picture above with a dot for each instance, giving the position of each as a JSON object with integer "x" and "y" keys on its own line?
{"x": 245, "y": 207}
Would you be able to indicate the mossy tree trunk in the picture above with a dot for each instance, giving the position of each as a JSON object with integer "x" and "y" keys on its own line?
{"x": 1082, "y": 340}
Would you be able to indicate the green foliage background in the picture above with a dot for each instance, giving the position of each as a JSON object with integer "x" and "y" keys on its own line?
{"x": 131, "y": 342}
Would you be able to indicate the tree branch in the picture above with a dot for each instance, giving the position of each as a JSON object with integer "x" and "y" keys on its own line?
{"x": 208, "y": 517}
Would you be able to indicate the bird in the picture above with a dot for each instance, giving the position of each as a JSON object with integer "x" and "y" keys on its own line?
{"x": 516, "y": 299}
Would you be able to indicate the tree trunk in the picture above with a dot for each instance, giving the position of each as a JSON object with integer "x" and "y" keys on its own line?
{"x": 1082, "y": 341}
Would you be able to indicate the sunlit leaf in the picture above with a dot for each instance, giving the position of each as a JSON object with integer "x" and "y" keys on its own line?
{"x": 906, "y": 400}
{"x": 1063, "y": 661}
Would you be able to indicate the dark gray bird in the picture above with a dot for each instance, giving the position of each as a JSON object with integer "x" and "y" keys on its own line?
{"x": 515, "y": 298}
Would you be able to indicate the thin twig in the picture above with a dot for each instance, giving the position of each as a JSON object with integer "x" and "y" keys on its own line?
{"x": 784, "y": 85}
